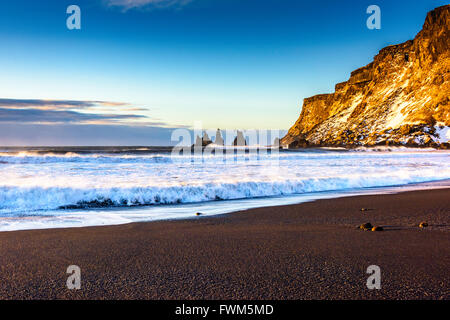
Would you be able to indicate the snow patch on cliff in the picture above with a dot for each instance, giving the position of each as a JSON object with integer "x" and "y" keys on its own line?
{"x": 343, "y": 117}
{"x": 397, "y": 116}
{"x": 442, "y": 134}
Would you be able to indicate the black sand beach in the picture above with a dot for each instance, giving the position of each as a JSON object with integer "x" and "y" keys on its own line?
{"x": 305, "y": 251}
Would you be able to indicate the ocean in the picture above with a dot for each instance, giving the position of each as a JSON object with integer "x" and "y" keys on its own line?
{"x": 87, "y": 186}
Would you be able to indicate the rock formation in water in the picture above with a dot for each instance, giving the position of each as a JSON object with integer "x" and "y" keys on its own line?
{"x": 206, "y": 140}
{"x": 401, "y": 98}
{"x": 219, "y": 139}
{"x": 276, "y": 142}
{"x": 240, "y": 139}
{"x": 202, "y": 142}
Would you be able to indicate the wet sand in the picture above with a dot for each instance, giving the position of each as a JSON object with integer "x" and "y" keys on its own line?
{"x": 305, "y": 251}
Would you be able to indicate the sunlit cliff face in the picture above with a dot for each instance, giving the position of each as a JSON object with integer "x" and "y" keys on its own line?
{"x": 401, "y": 98}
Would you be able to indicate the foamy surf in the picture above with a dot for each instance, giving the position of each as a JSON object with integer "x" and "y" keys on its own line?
{"x": 45, "y": 190}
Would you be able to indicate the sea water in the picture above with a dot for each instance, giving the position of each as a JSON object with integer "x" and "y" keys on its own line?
{"x": 73, "y": 187}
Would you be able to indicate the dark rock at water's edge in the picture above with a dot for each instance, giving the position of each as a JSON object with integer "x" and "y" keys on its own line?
{"x": 400, "y": 99}
{"x": 298, "y": 142}
{"x": 98, "y": 203}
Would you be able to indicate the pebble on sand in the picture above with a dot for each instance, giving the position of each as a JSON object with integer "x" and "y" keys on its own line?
{"x": 423, "y": 225}
{"x": 377, "y": 228}
{"x": 366, "y": 226}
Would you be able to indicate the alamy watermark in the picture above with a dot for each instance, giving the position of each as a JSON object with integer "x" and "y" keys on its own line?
{"x": 74, "y": 280}
{"x": 374, "y": 20}
{"x": 226, "y": 145}
{"x": 73, "y": 22}
{"x": 374, "y": 281}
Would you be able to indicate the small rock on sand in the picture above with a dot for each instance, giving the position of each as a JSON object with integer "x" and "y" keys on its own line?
{"x": 366, "y": 226}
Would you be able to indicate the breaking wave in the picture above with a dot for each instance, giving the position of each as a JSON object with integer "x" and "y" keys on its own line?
{"x": 15, "y": 199}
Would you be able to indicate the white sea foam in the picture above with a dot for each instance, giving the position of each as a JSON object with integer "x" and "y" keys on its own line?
{"x": 35, "y": 187}
{"x": 20, "y": 199}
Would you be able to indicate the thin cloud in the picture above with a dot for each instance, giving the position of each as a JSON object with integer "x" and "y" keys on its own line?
{"x": 132, "y": 4}
{"x": 55, "y": 104}
{"x": 50, "y": 112}
{"x": 51, "y": 116}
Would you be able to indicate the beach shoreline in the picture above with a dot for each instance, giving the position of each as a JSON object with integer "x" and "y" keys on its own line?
{"x": 311, "y": 250}
{"x": 153, "y": 213}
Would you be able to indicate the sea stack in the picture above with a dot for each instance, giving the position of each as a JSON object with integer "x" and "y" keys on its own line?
{"x": 239, "y": 141}
{"x": 206, "y": 140}
{"x": 276, "y": 142}
{"x": 202, "y": 142}
{"x": 219, "y": 139}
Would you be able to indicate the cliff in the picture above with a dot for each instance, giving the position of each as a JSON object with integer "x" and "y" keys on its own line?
{"x": 401, "y": 98}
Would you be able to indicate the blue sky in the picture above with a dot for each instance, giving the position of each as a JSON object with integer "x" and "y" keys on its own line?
{"x": 147, "y": 66}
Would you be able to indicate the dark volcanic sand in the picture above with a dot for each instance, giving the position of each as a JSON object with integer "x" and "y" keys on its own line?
{"x": 305, "y": 251}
